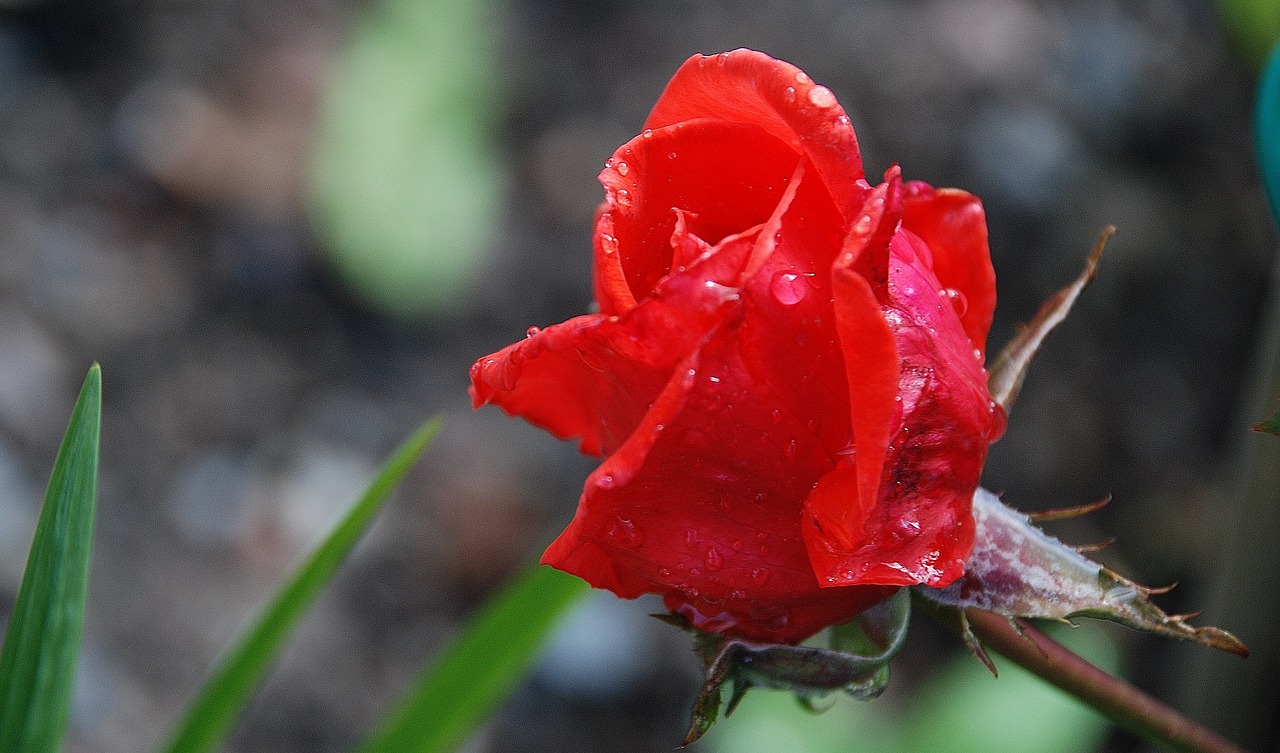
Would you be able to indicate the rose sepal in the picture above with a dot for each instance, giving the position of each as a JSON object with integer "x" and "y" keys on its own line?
{"x": 1016, "y": 570}
{"x": 855, "y": 661}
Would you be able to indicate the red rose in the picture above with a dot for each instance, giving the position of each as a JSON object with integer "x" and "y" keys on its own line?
{"x": 785, "y": 378}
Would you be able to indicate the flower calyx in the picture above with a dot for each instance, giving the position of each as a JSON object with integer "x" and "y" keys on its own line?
{"x": 855, "y": 661}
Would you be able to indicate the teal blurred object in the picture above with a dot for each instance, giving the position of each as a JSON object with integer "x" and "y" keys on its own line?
{"x": 406, "y": 180}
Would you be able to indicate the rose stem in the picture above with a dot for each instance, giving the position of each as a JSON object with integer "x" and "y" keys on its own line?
{"x": 1114, "y": 698}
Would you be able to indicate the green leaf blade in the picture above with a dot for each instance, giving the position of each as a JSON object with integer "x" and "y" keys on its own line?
{"x": 209, "y": 718}
{"x": 42, "y": 643}
{"x": 480, "y": 667}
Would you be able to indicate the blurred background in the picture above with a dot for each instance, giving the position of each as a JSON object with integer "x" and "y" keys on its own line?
{"x": 287, "y": 229}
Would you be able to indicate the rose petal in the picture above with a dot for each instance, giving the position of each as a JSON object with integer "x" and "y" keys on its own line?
{"x": 745, "y": 86}
{"x": 789, "y": 341}
{"x": 724, "y": 177}
{"x": 921, "y": 527}
{"x": 953, "y": 225}
{"x": 702, "y": 504}
{"x": 836, "y": 512}
{"x": 594, "y": 377}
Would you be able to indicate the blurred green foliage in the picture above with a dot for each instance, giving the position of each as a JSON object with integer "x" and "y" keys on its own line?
{"x": 211, "y": 715}
{"x": 480, "y": 667}
{"x": 1254, "y": 24}
{"x": 406, "y": 179}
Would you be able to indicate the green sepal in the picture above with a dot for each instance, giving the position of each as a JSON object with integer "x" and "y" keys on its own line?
{"x": 856, "y": 662}
{"x": 1017, "y": 570}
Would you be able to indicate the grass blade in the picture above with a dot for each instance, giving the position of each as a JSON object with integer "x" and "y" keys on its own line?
{"x": 210, "y": 716}
{"x": 38, "y": 661}
{"x": 480, "y": 667}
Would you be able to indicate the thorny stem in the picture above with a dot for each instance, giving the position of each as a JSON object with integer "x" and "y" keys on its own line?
{"x": 1116, "y": 699}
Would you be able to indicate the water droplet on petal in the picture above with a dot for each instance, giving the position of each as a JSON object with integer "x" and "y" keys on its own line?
{"x": 803, "y": 78}
{"x": 821, "y": 96}
{"x": 623, "y": 168}
{"x": 793, "y": 449}
{"x": 958, "y": 300}
{"x": 788, "y": 288}
{"x": 671, "y": 155}
{"x": 713, "y": 559}
{"x": 789, "y": 94}
{"x": 624, "y": 533}
{"x": 760, "y": 575}
{"x": 863, "y": 225}
{"x": 664, "y": 572}
{"x": 532, "y": 331}
{"x": 605, "y": 482}
{"x": 648, "y": 133}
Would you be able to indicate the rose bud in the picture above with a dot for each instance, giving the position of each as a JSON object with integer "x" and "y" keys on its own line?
{"x": 785, "y": 378}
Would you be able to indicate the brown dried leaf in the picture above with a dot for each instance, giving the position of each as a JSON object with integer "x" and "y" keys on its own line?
{"x": 1009, "y": 369}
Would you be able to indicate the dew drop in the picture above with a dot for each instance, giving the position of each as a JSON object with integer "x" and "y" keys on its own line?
{"x": 958, "y": 300}
{"x": 605, "y": 481}
{"x": 760, "y": 575}
{"x": 671, "y": 155}
{"x": 789, "y": 94}
{"x": 608, "y": 163}
{"x": 664, "y": 572}
{"x": 736, "y": 545}
{"x": 977, "y": 354}
{"x": 714, "y": 379}
{"x": 803, "y": 78}
{"x": 821, "y": 96}
{"x": 863, "y": 225}
{"x": 623, "y": 168}
{"x": 905, "y": 528}
{"x": 648, "y": 133}
{"x": 788, "y": 288}
{"x": 759, "y": 498}
{"x": 793, "y": 449}
{"x": 713, "y": 559}
{"x": 532, "y": 331}
{"x": 624, "y": 533}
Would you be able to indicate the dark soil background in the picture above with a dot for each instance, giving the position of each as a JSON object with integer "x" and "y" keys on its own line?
{"x": 249, "y": 396}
